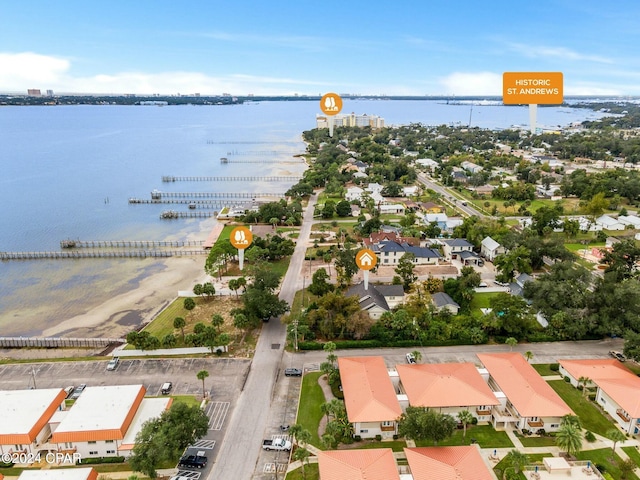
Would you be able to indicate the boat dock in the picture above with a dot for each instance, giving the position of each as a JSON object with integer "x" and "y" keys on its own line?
{"x": 64, "y": 254}
{"x": 196, "y": 203}
{"x": 129, "y": 243}
{"x": 283, "y": 178}
{"x": 172, "y": 214}
{"x": 158, "y": 195}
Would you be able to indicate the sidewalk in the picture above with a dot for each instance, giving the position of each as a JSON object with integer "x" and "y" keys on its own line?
{"x": 164, "y": 352}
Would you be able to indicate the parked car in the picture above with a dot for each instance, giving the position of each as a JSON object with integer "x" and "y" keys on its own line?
{"x": 78, "y": 391}
{"x": 618, "y": 355}
{"x": 483, "y": 285}
{"x": 113, "y": 364}
{"x": 292, "y": 372}
{"x": 193, "y": 461}
{"x": 69, "y": 390}
{"x": 410, "y": 358}
{"x": 166, "y": 388}
{"x": 277, "y": 444}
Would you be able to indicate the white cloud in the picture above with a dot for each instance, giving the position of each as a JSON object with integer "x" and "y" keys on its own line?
{"x": 562, "y": 53}
{"x": 26, "y": 70}
{"x": 472, "y": 83}
{"x": 21, "y": 71}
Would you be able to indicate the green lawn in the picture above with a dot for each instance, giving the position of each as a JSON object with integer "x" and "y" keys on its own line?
{"x": 309, "y": 413}
{"x": 544, "y": 369}
{"x": 163, "y": 323}
{"x": 396, "y": 445}
{"x": 485, "y": 435}
{"x": 533, "y": 459}
{"x": 481, "y": 300}
{"x": 633, "y": 454}
{"x": 602, "y": 457}
{"x": 537, "y": 441}
{"x": 588, "y": 412}
{"x": 189, "y": 400}
{"x": 311, "y": 473}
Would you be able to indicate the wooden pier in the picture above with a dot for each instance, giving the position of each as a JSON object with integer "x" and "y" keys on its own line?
{"x": 227, "y": 160}
{"x": 64, "y": 254}
{"x": 158, "y": 195}
{"x": 198, "y": 203}
{"x": 173, "y": 214}
{"x": 213, "y": 142}
{"x": 284, "y": 178}
{"x": 129, "y": 243}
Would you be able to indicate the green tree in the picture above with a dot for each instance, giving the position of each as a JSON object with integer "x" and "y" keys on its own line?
{"x": 217, "y": 321}
{"x": 465, "y": 418}
{"x": 233, "y": 285}
{"x": 343, "y": 208}
{"x": 242, "y": 322}
{"x": 418, "y": 423}
{"x": 201, "y": 375}
{"x": 584, "y": 381}
{"x": 596, "y": 206}
{"x": 615, "y": 436}
{"x": 516, "y": 461}
{"x": 164, "y": 438}
{"x": 632, "y": 345}
{"x": 512, "y": 342}
{"x": 302, "y": 455}
{"x": 528, "y": 355}
{"x": 320, "y": 283}
{"x": 189, "y": 303}
{"x": 517, "y": 259}
{"x": 569, "y": 438}
{"x": 417, "y": 354}
{"x": 197, "y": 289}
{"x": 179, "y": 324}
{"x": 405, "y": 268}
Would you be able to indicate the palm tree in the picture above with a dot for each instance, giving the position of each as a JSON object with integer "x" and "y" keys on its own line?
{"x": 179, "y": 323}
{"x": 528, "y": 355}
{"x": 233, "y": 285}
{"x": 516, "y": 460}
{"x": 584, "y": 381}
{"x": 465, "y": 418}
{"x": 511, "y": 342}
{"x": 201, "y": 375}
{"x": 417, "y": 355}
{"x": 326, "y": 409}
{"x": 569, "y": 438}
{"x": 571, "y": 420}
{"x": 302, "y": 454}
{"x": 294, "y": 430}
{"x": 304, "y": 437}
{"x": 615, "y": 436}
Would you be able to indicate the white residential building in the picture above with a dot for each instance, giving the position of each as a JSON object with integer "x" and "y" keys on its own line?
{"x": 25, "y": 418}
{"x": 105, "y": 420}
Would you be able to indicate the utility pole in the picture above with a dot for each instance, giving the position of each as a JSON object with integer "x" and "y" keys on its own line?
{"x": 33, "y": 376}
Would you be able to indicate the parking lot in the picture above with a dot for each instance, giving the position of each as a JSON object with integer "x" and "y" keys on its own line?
{"x": 223, "y": 385}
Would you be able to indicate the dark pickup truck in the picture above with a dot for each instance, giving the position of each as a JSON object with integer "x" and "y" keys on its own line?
{"x": 193, "y": 461}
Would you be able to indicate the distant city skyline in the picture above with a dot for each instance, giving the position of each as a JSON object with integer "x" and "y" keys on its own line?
{"x": 309, "y": 48}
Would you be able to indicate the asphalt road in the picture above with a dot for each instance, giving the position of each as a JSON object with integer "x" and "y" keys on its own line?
{"x": 449, "y": 197}
{"x": 241, "y": 452}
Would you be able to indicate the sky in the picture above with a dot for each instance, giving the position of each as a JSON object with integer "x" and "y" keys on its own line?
{"x": 278, "y": 47}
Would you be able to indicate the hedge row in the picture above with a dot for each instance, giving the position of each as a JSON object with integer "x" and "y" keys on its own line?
{"x": 346, "y": 344}
{"x": 93, "y": 460}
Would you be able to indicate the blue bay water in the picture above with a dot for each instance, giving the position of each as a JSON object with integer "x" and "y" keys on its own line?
{"x": 68, "y": 171}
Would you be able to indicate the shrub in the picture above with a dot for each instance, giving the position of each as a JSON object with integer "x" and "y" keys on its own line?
{"x": 567, "y": 379}
{"x": 526, "y": 431}
{"x": 378, "y": 438}
{"x": 474, "y": 421}
{"x": 357, "y": 438}
{"x": 6, "y": 465}
{"x": 541, "y": 431}
{"x": 554, "y": 367}
{"x": 396, "y": 436}
{"x": 590, "y": 437}
{"x": 94, "y": 460}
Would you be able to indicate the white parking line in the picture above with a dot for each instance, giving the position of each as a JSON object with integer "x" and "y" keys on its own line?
{"x": 189, "y": 474}
{"x": 217, "y": 412}
{"x": 271, "y": 467}
{"x": 206, "y": 444}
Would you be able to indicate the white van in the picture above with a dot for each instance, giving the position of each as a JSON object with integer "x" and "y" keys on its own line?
{"x": 166, "y": 388}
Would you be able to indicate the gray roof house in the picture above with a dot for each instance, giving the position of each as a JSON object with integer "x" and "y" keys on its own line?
{"x": 517, "y": 285}
{"x": 453, "y": 246}
{"x": 443, "y": 301}
{"x": 377, "y": 299}
{"x": 390, "y": 253}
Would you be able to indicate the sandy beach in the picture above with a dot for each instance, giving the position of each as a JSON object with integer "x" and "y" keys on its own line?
{"x": 120, "y": 314}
